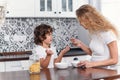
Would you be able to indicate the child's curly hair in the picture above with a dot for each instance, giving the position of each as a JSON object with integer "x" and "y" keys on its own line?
{"x": 40, "y": 33}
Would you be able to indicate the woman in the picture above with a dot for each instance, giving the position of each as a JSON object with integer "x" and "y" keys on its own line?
{"x": 103, "y": 45}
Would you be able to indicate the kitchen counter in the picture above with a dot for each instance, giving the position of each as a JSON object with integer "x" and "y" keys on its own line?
{"x": 24, "y": 55}
{"x": 15, "y": 56}
{"x": 65, "y": 74}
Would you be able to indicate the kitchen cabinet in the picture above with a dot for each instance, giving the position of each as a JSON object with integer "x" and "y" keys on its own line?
{"x": 13, "y": 66}
{"x": 25, "y": 64}
{"x": 2, "y": 66}
{"x": 20, "y": 8}
{"x": 43, "y": 8}
{"x": 57, "y": 8}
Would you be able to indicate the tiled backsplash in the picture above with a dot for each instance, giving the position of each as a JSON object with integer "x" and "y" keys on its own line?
{"x": 16, "y": 34}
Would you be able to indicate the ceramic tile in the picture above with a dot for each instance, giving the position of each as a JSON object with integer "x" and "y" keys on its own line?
{"x": 64, "y": 29}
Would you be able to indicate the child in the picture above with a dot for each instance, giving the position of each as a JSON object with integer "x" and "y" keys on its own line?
{"x": 46, "y": 53}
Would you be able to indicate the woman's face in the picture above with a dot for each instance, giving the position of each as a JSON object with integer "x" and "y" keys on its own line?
{"x": 83, "y": 22}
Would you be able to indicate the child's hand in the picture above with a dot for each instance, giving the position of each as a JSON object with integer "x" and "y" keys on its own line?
{"x": 76, "y": 42}
{"x": 66, "y": 49}
{"x": 49, "y": 52}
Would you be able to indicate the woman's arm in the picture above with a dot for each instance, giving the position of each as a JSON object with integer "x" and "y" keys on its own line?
{"x": 113, "y": 49}
{"x": 81, "y": 45}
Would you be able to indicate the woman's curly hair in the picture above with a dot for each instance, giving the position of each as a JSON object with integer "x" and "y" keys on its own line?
{"x": 93, "y": 19}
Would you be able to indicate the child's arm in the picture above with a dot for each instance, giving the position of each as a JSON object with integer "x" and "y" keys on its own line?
{"x": 62, "y": 52}
{"x": 45, "y": 62}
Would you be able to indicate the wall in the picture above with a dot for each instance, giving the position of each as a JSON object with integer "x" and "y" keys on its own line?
{"x": 111, "y": 10}
{"x": 16, "y": 34}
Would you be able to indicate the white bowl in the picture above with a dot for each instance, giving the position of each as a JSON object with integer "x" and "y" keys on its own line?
{"x": 61, "y": 65}
{"x": 75, "y": 63}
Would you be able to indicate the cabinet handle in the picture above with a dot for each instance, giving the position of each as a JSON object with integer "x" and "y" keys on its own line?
{"x": 54, "y": 12}
{"x": 59, "y": 12}
{"x": 7, "y": 12}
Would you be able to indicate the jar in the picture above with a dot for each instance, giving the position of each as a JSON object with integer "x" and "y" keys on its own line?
{"x": 34, "y": 64}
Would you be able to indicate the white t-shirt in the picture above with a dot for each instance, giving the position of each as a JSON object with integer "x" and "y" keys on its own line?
{"x": 99, "y": 47}
{"x": 41, "y": 52}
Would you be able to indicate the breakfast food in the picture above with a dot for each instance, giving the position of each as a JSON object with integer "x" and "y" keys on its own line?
{"x": 35, "y": 67}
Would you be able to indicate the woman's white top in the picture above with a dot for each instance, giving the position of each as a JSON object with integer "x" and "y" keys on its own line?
{"x": 99, "y": 47}
{"x": 41, "y": 53}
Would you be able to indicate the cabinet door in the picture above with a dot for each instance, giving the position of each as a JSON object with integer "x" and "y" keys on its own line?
{"x": 77, "y": 4}
{"x": 13, "y": 66}
{"x": 20, "y": 8}
{"x": 45, "y": 8}
{"x": 25, "y": 64}
{"x": 2, "y": 66}
{"x": 67, "y": 8}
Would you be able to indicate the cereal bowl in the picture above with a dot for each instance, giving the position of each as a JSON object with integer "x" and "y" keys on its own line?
{"x": 75, "y": 63}
{"x": 61, "y": 65}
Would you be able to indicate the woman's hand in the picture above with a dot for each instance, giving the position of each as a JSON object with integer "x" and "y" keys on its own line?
{"x": 76, "y": 42}
{"x": 81, "y": 45}
{"x": 86, "y": 63}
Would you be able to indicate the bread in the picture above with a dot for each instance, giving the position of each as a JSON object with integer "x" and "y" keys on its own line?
{"x": 35, "y": 67}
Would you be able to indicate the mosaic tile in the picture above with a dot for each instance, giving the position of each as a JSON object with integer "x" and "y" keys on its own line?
{"x": 64, "y": 29}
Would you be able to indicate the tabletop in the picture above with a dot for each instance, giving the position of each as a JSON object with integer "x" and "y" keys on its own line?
{"x": 79, "y": 74}
{"x": 70, "y": 73}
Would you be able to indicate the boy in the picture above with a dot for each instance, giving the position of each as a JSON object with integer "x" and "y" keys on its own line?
{"x": 46, "y": 53}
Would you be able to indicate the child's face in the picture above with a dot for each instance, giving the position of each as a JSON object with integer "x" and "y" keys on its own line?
{"x": 48, "y": 39}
